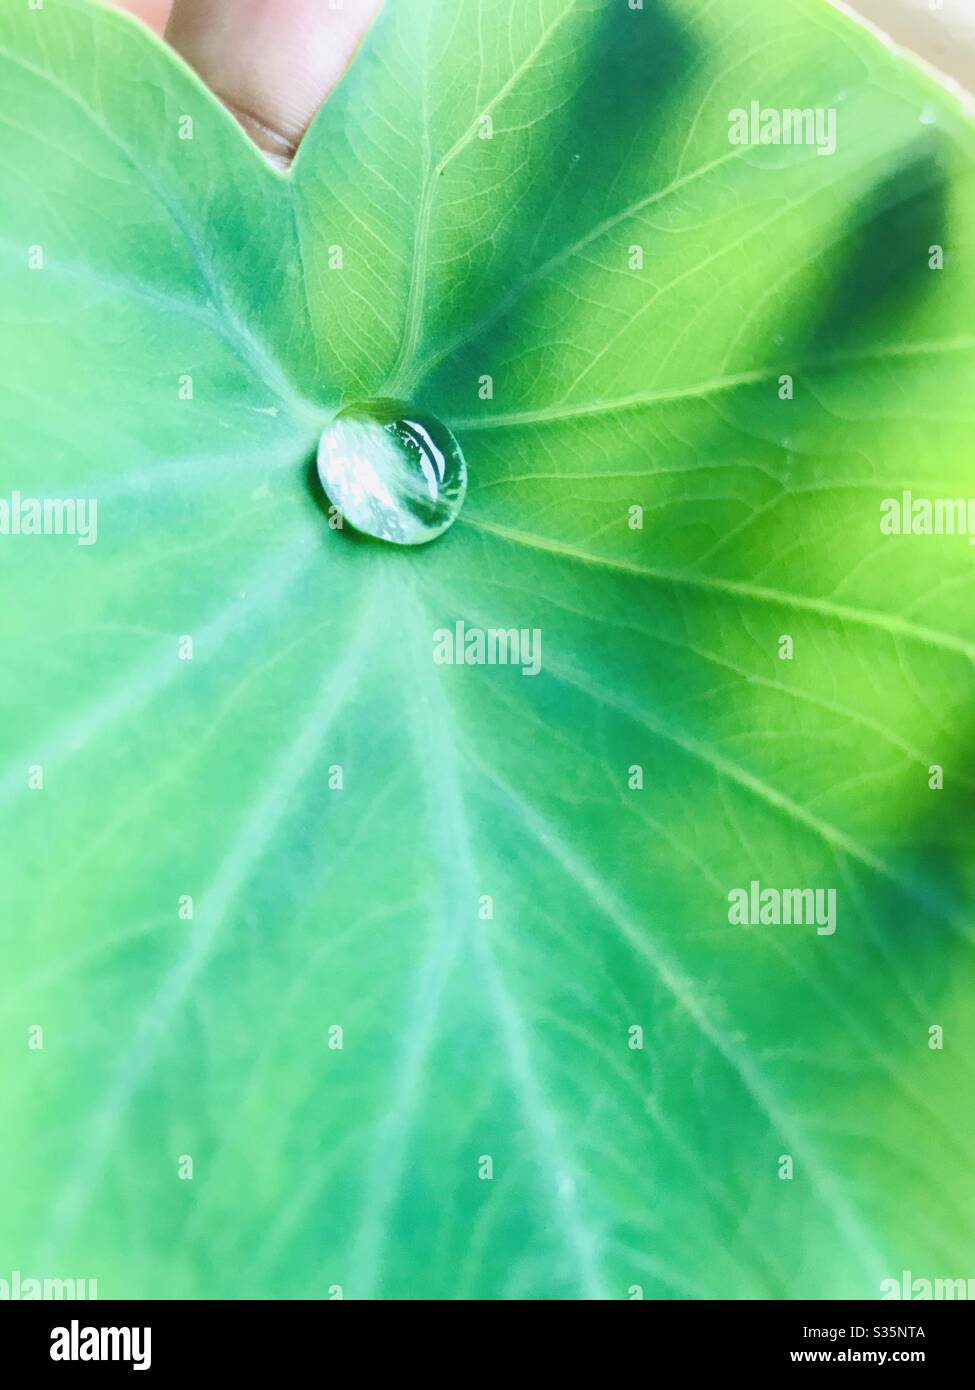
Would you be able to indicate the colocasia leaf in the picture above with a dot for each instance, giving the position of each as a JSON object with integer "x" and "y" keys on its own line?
{"x": 575, "y": 906}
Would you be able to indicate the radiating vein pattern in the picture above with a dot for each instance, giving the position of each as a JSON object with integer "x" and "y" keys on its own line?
{"x": 579, "y": 906}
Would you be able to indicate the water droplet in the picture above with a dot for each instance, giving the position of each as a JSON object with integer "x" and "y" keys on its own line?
{"x": 393, "y": 472}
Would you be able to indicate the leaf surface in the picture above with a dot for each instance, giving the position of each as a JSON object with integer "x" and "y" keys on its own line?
{"x": 466, "y": 1037}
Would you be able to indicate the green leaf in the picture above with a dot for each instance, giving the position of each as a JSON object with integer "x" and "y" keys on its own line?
{"x": 468, "y": 1036}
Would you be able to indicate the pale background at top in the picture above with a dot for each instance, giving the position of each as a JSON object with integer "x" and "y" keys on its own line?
{"x": 942, "y": 31}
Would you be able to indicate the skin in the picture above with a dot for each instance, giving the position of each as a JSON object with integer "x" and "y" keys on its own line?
{"x": 272, "y": 62}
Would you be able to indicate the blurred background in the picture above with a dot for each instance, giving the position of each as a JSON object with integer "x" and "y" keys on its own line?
{"x": 154, "y": 12}
{"x": 941, "y": 31}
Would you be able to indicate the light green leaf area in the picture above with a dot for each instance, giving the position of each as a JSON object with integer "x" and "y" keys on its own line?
{"x": 502, "y": 1030}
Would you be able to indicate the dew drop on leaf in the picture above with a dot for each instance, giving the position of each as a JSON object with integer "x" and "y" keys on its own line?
{"x": 392, "y": 472}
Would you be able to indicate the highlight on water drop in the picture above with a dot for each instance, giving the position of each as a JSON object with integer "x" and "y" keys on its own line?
{"x": 393, "y": 472}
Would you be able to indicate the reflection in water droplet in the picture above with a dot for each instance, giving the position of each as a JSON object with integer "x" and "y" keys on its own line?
{"x": 393, "y": 472}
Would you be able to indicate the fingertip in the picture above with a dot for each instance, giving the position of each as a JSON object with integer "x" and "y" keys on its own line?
{"x": 272, "y": 62}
